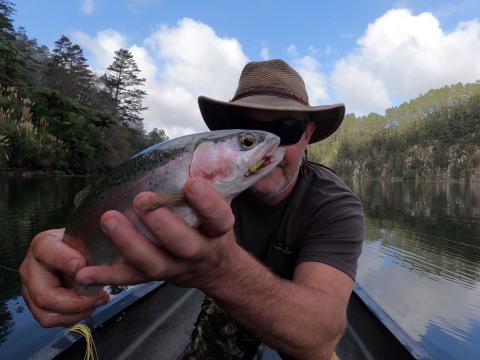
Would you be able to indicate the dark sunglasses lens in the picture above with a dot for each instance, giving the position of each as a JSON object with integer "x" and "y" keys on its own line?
{"x": 289, "y": 131}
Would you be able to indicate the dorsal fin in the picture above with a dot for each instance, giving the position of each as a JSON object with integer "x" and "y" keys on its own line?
{"x": 81, "y": 195}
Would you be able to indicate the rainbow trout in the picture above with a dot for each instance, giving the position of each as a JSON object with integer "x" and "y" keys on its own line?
{"x": 232, "y": 160}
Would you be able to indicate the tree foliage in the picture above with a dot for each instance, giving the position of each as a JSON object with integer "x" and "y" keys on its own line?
{"x": 68, "y": 71}
{"x": 436, "y": 132}
{"x": 122, "y": 82}
{"x": 11, "y": 64}
{"x": 55, "y": 112}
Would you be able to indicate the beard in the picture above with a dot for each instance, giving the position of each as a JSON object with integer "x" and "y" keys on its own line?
{"x": 277, "y": 181}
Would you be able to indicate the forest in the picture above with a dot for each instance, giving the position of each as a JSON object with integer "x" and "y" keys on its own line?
{"x": 56, "y": 114}
{"x": 435, "y": 136}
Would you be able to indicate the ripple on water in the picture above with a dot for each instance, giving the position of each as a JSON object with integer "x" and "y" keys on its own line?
{"x": 429, "y": 284}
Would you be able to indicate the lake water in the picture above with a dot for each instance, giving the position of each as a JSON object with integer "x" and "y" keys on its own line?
{"x": 420, "y": 260}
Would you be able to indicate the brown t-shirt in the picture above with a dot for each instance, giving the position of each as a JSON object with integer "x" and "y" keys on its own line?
{"x": 321, "y": 221}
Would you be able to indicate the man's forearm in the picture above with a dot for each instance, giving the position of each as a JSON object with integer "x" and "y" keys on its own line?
{"x": 292, "y": 318}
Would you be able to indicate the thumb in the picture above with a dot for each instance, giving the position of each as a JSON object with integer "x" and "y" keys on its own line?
{"x": 213, "y": 210}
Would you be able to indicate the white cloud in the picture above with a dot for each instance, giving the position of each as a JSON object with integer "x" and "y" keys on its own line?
{"x": 309, "y": 68}
{"x": 102, "y": 46}
{"x": 360, "y": 90}
{"x": 264, "y": 53}
{"x": 402, "y": 55}
{"x": 315, "y": 81}
{"x": 292, "y": 51}
{"x": 88, "y": 6}
{"x": 179, "y": 63}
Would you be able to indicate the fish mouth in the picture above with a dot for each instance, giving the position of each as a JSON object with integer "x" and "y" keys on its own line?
{"x": 267, "y": 162}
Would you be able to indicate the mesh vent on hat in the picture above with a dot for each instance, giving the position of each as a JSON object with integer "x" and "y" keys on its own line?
{"x": 274, "y": 77}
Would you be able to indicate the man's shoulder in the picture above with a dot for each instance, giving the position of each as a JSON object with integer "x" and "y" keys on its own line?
{"x": 322, "y": 176}
{"x": 325, "y": 190}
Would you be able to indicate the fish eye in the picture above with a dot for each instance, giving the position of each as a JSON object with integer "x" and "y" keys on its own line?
{"x": 248, "y": 140}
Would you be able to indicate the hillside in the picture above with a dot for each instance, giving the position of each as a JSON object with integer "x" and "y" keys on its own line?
{"x": 433, "y": 137}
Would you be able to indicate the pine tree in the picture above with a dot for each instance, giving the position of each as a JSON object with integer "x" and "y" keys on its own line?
{"x": 122, "y": 82}
{"x": 11, "y": 64}
{"x": 35, "y": 57}
{"x": 155, "y": 137}
{"x": 69, "y": 72}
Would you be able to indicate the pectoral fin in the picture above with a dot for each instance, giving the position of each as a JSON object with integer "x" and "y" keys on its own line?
{"x": 160, "y": 200}
{"x": 81, "y": 196}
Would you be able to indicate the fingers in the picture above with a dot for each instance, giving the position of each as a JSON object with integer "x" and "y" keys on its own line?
{"x": 139, "y": 252}
{"x": 214, "y": 212}
{"x": 116, "y": 274}
{"x": 172, "y": 232}
{"x": 51, "y": 319}
{"x": 49, "y": 301}
{"x": 47, "y": 292}
{"x": 48, "y": 249}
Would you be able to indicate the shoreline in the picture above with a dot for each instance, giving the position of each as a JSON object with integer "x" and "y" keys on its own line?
{"x": 24, "y": 172}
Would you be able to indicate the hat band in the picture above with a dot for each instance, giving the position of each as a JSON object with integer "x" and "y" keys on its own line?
{"x": 267, "y": 90}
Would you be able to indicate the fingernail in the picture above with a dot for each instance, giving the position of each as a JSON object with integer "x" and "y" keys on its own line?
{"x": 110, "y": 224}
{"x": 197, "y": 188}
{"x": 72, "y": 265}
{"x": 140, "y": 200}
{"x": 51, "y": 237}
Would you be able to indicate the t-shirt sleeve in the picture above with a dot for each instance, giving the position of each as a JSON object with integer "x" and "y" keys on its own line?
{"x": 334, "y": 235}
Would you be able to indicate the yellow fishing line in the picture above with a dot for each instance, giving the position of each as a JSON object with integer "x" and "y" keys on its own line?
{"x": 84, "y": 330}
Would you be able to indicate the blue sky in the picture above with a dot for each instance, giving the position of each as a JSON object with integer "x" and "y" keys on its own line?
{"x": 368, "y": 54}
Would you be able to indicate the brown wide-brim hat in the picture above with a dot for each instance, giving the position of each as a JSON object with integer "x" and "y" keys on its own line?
{"x": 271, "y": 87}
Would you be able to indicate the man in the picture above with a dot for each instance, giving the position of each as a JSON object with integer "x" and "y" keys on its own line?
{"x": 300, "y": 221}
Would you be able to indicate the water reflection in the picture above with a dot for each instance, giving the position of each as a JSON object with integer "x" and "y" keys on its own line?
{"x": 27, "y": 206}
{"x": 6, "y": 321}
{"x": 421, "y": 261}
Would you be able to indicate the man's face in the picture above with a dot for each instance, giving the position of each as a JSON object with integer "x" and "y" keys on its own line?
{"x": 281, "y": 179}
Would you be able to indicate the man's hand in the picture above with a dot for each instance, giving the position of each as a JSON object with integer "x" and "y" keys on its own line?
{"x": 187, "y": 257}
{"x": 43, "y": 290}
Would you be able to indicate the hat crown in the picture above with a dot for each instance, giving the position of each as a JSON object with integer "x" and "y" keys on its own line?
{"x": 272, "y": 77}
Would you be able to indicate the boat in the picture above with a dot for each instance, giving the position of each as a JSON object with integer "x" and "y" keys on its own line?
{"x": 154, "y": 321}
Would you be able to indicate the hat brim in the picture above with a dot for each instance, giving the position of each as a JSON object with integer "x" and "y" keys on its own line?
{"x": 327, "y": 118}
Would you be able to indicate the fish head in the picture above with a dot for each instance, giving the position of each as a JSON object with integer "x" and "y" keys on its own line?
{"x": 233, "y": 160}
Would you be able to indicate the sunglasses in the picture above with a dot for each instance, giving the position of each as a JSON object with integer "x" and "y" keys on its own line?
{"x": 289, "y": 131}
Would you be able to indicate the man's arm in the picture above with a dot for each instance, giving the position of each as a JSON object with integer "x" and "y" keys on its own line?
{"x": 304, "y": 318}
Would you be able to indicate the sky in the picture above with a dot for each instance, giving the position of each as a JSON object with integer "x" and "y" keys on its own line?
{"x": 368, "y": 54}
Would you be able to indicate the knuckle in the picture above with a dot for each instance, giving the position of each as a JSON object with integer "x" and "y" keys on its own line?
{"x": 221, "y": 225}
{"x": 48, "y": 321}
{"x": 40, "y": 299}
{"x": 62, "y": 261}
{"x": 38, "y": 245}
{"x": 190, "y": 252}
{"x": 155, "y": 272}
{"x": 211, "y": 208}
{"x": 123, "y": 244}
{"x": 228, "y": 224}
{"x": 23, "y": 271}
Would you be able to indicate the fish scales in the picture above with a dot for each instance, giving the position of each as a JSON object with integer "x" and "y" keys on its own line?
{"x": 119, "y": 176}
